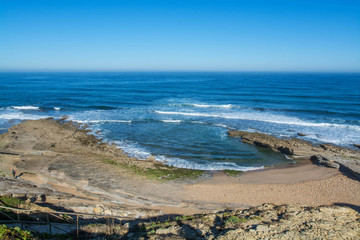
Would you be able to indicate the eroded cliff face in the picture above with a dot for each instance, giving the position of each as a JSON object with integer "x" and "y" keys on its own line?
{"x": 346, "y": 160}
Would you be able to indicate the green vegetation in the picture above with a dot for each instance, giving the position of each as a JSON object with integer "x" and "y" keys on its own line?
{"x": 256, "y": 218}
{"x": 170, "y": 173}
{"x": 159, "y": 172}
{"x": 233, "y": 220}
{"x": 10, "y": 201}
{"x": 7, "y": 233}
{"x": 156, "y": 225}
{"x": 184, "y": 218}
{"x": 232, "y": 173}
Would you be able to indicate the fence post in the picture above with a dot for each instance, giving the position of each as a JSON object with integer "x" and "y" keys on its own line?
{"x": 48, "y": 221}
{"x": 18, "y": 218}
{"x": 77, "y": 226}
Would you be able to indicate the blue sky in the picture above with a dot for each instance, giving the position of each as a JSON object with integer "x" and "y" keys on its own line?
{"x": 180, "y": 35}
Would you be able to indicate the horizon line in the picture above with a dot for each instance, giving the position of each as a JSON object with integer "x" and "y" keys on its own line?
{"x": 166, "y": 71}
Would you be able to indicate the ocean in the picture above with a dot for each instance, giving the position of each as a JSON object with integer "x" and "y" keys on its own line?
{"x": 183, "y": 118}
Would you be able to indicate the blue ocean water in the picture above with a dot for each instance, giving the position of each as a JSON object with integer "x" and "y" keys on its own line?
{"x": 182, "y": 118}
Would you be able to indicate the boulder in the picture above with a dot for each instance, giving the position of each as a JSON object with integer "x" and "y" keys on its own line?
{"x": 322, "y": 161}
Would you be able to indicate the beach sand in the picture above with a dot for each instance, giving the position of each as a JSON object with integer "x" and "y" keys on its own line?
{"x": 305, "y": 184}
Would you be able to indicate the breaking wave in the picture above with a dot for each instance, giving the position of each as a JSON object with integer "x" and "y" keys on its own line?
{"x": 262, "y": 117}
{"x": 25, "y": 107}
{"x": 211, "y": 106}
{"x": 171, "y": 121}
{"x": 134, "y": 150}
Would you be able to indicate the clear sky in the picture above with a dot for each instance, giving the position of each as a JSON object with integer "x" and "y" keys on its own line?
{"x": 204, "y": 35}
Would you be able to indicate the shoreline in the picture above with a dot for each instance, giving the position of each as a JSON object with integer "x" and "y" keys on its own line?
{"x": 288, "y": 174}
{"x": 72, "y": 168}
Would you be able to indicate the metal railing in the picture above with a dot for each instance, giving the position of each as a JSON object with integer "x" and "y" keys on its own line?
{"x": 36, "y": 217}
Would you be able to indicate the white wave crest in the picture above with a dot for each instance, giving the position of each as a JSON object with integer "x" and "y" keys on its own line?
{"x": 222, "y": 125}
{"x": 211, "y": 106}
{"x": 101, "y": 121}
{"x": 182, "y": 163}
{"x": 262, "y": 117}
{"x": 25, "y": 107}
{"x": 198, "y": 122}
{"x": 57, "y": 108}
{"x": 134, "y": 150}
{"x": 21, "y": 116}
{"x": 171, "y": 121}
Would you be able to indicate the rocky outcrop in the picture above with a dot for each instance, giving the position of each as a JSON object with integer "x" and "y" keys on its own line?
{"x": 267, "y": 221}
{"x": 44, "y": 135}
{"x": 344, "y": 159}
{"x": 294, "y": 147}
{"x": 73, "y": 169}
{"x": 322, "y": 161}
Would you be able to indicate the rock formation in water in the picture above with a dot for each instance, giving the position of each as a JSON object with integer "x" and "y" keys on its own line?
{"x": 344, "y": 159}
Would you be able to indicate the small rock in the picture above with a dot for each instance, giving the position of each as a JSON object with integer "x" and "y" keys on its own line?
{"x": 127, "y": 225}
{"x": 171, "y": 230}
{"x": 357, "y": 145}
{"x": 301, "y": 134}
{"x": 98, "y": 210}
{"x": 323, "y": 146}
{"x": 108, "y": 212}
{"x": 187, "y": 232}
{"x": 262, "y": 228}
{"x": 320, "y": 160}
{"x": 151, "y": 159}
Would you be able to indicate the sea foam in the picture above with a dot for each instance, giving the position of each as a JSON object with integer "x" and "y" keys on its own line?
{"x": 211, "y": 106}
{"x": 262, "y": 117}
{"x": 25, "y": 107}
{"x": 21, "y": 116}
{"x": 171, "y": 121}
{"x": 134, "y": 150}
{"x": 102, "y": 121}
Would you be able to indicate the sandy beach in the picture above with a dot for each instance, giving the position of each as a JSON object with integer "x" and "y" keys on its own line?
{"x": 307, "y": 184}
